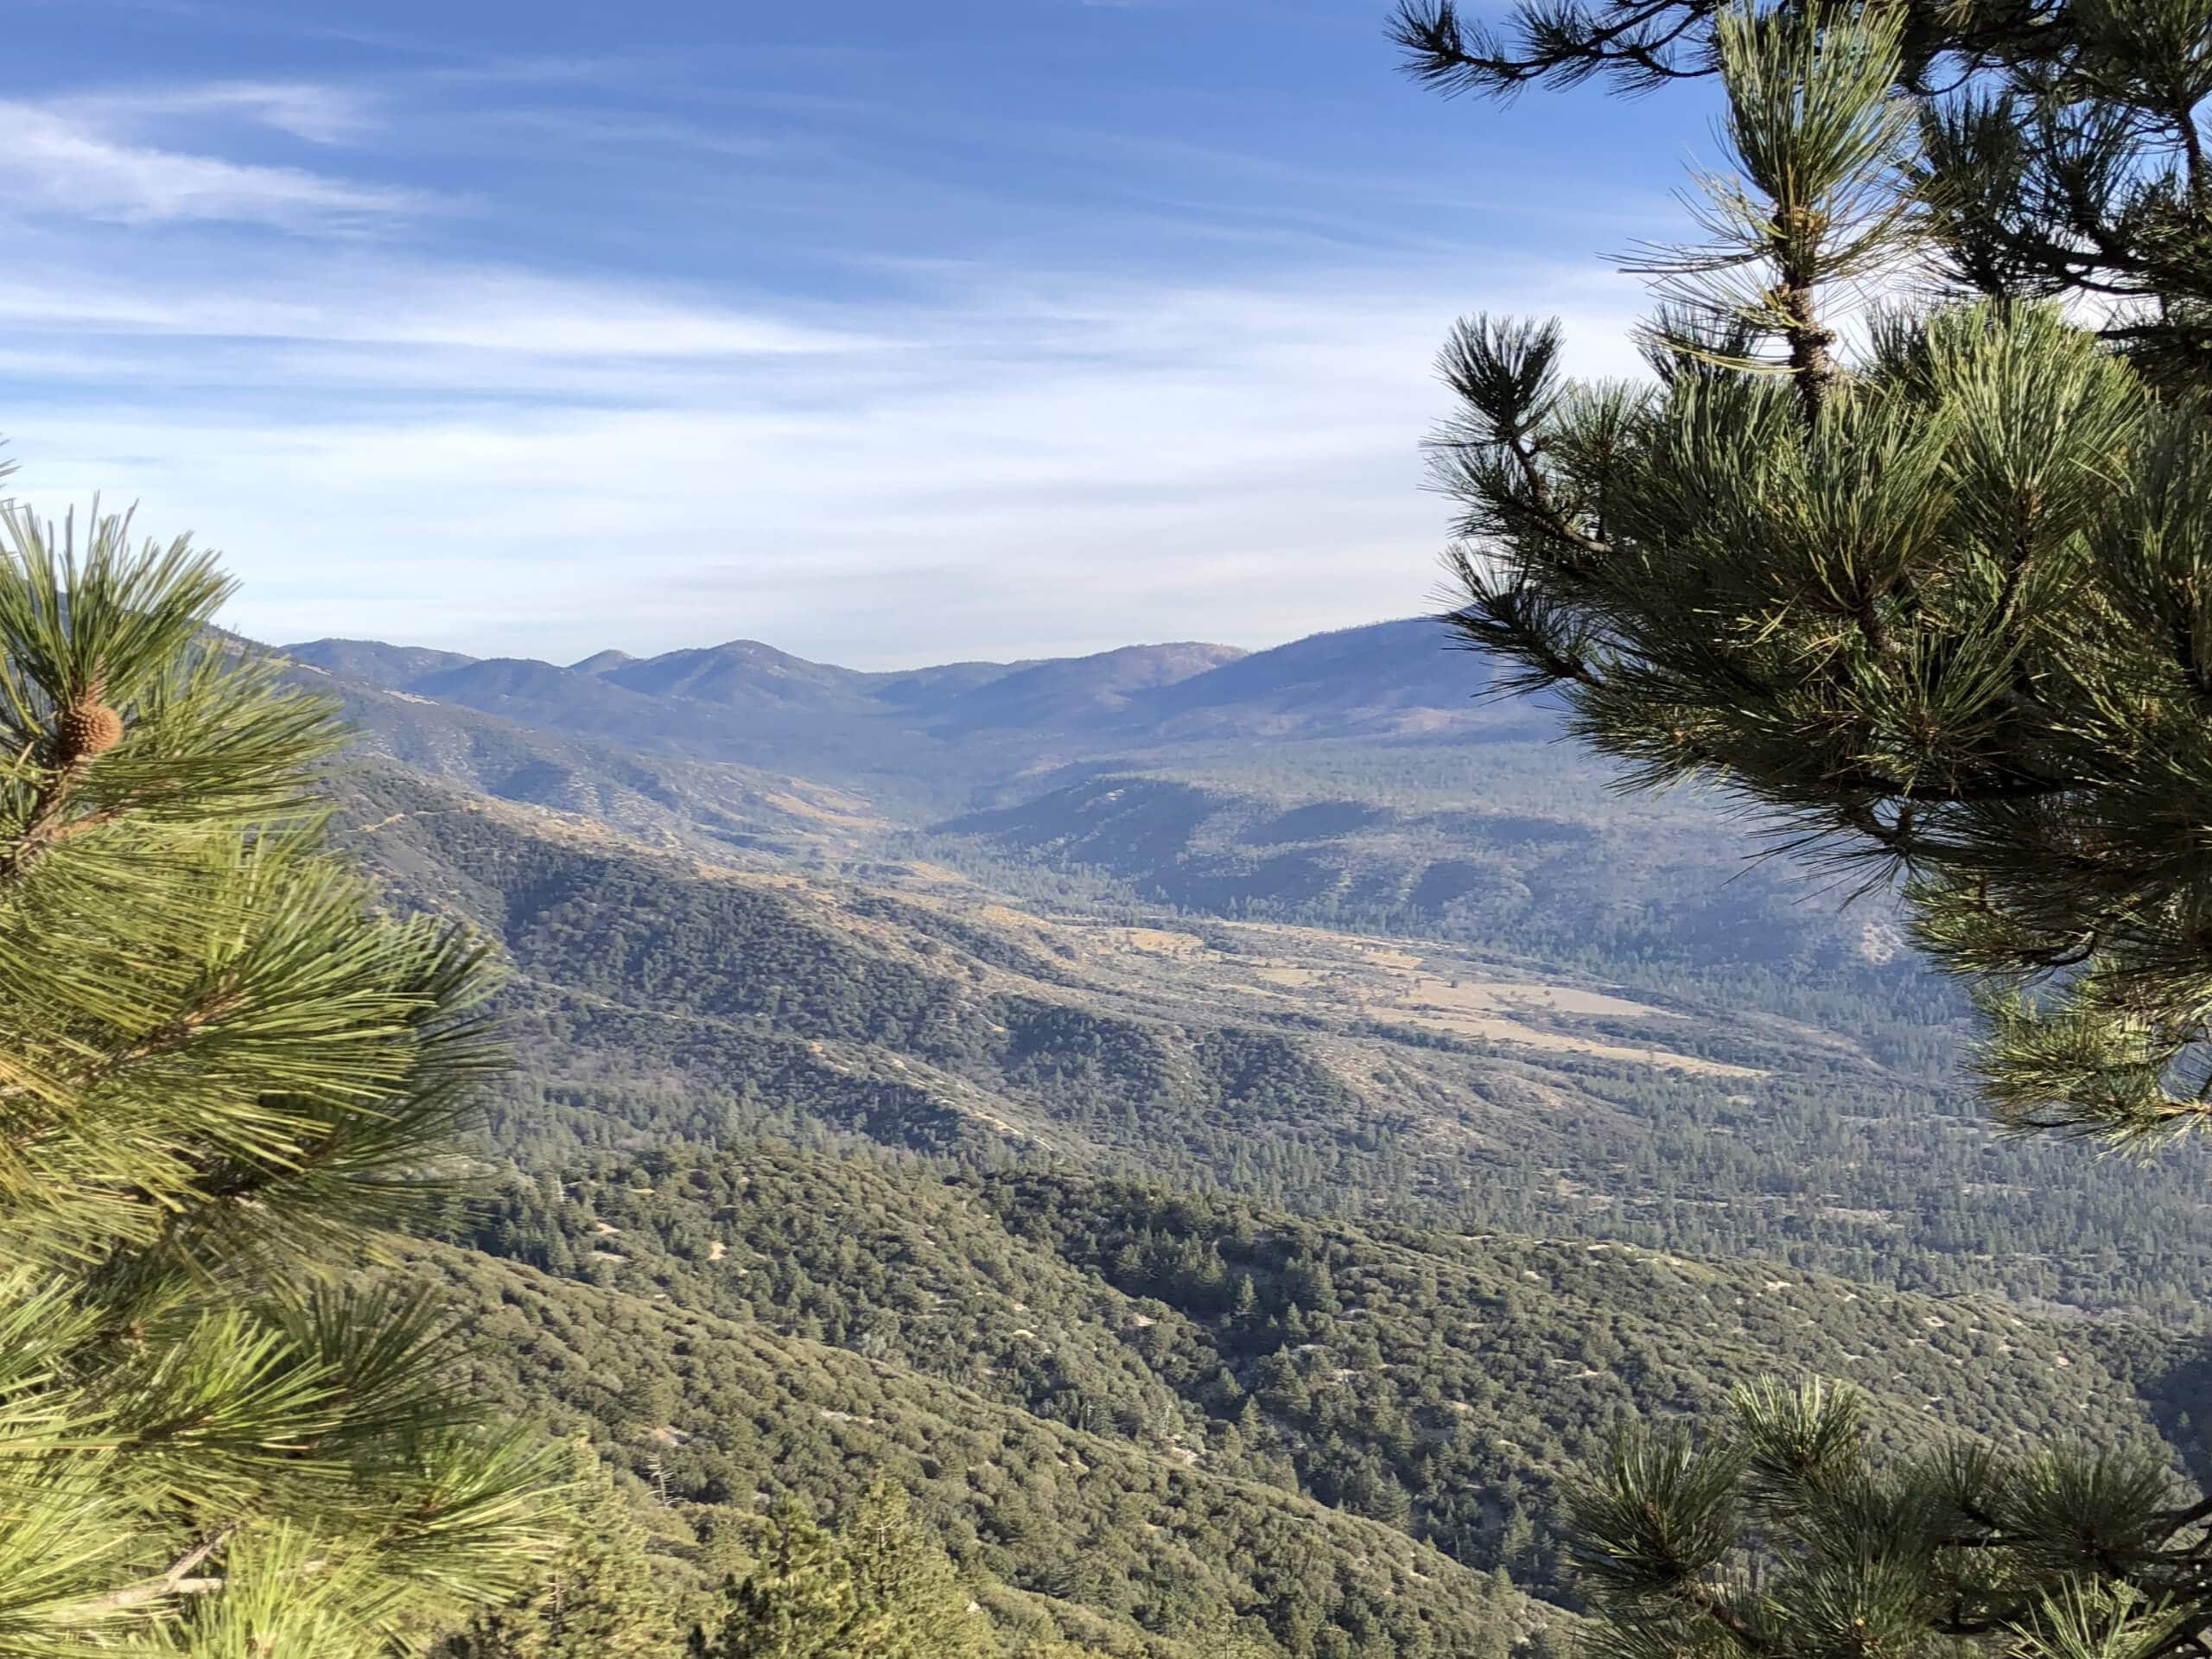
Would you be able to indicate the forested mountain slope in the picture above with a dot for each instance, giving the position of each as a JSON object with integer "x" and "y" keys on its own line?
{"x": 731, "y": 813}
{"x": 1135, "y": 1399}
{"x": 1233, "y": 1164}
{"x": 1130, "y": 1545}
{"x": 1495, "y": 844}
{"x": 659, "y": 999}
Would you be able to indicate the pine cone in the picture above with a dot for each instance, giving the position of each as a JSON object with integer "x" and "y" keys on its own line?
{"x": 86, "y": 727}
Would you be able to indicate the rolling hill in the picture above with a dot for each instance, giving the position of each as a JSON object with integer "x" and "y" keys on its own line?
{"x": 661, "y": 997}
{"x": 1164, "y": 1409}
{"x": 730, "y": 812}
{"x": 1228, "y": 1131}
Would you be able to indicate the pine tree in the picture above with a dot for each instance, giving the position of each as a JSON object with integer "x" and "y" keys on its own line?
{"x": 797, "y": 1602}
{"x": 2063, "y": 153}
{"x": 1245, "y": 1312}
{"x": 1939, "y": 606}
{"x": 221, "y": 1072}
{"x": 1783, "y": 1538}
{"x": 883, "y": 1589}
{"x": 910, "y": 1598}
{"x": 596, "y": 1600}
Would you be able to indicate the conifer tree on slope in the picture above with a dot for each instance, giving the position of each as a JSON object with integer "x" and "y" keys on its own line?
{"x": 1944, "y": 603}
{"x": 881, "y": 1589}
{"x": 595, "y": 1600}
{"x": 219, "y": 1071}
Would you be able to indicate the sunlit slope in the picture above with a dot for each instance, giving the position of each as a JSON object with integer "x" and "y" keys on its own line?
{"x": 657, "y": 997}
{"x": 1017, "y": 1343}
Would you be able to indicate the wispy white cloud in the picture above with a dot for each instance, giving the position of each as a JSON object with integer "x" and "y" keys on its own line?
{"x": 82, "y": 159}
{"x": 1005, "y": 467}
{"x": 947, "y": 436}
{"x": 314, "y": 110}
{"x": 375, "y": 304}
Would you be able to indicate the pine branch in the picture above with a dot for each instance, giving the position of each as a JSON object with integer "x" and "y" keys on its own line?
{"x": 1441, "y": 51}
{"x": 176, "y": 1580}
{"x": 1714, "y": 1608}
{"x": 47, "y": 825}
{"x": 218, "y": 1059}
{"x": 2195, "y": 1513}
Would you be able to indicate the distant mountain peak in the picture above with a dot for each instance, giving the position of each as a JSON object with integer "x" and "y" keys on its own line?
{"x": 601, "y": 661}
{"x": 374, "y": 663}
{"x": 739, "y": 671}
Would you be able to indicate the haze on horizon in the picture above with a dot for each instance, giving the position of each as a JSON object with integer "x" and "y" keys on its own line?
{"x": 1028, "y": 328}
{"x": 619, "y": 653}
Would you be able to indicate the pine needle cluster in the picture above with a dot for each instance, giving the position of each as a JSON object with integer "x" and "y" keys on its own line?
{"x": 221, "y": 1072}
{"x": 1783, "y": 1537}
{"x": 1927, "y": 586}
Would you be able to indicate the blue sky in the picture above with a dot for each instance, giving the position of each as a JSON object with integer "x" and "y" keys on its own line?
{"x": 887, "y": 333}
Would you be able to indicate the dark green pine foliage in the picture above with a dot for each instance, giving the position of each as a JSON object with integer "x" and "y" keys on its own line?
{"x": 1460, "y": 1377}
{"x": 910, "y": 1601}
{"x": 1783, "y": 1537}
{"x": 598, "y": 1599}
{"x": 882, "y": 1588}
{"x": 1939, "y": 606}
{"x": 221, "y": 1070}
{"x": 797, "y": 1601}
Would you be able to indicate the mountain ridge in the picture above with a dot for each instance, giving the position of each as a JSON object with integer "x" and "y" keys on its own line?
{"x": 1374, "y": 678}
{"x": 1189, "y": 1248}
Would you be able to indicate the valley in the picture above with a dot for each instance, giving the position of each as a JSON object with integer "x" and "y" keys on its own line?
{"x": 993, "y": 832}
{"x": 1304, "y": 1149}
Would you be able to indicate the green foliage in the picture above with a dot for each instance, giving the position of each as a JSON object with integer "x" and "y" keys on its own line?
{"x": 220, "y": 1072}
{"x": 879, "y": 1588}
{"x": 1785, "y": 1538}
{"x": 798, "y": 1603}
{"x": 1253, "y": 1397}
{"x": 1940, "y": 610}
{"x": 1059, "y": 1435}
{"x": 597, "y": 1600}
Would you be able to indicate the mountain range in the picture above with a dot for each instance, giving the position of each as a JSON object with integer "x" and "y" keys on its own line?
{"x": 749, "y": 702}
{"x": 1229, "y": 1131}
{"x": 1358, "y": 777}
